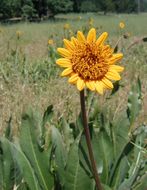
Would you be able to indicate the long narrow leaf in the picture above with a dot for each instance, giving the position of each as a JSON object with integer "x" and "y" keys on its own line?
{"x": 76, "y": 177}
{"x": 24, "y": 165}
{"x": 39, "y": 159}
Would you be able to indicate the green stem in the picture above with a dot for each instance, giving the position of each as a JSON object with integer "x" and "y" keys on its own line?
{"x": 88, "y": 141}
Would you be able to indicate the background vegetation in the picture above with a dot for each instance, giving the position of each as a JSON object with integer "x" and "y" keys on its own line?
{"x": 33, "y": 9}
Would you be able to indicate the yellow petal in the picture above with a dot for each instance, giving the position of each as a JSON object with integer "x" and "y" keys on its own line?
{"x": 91, "y": 37}
{"x": 106, "y": 48}
{"x": 66, "y": 72}
{"x": 63, "y": 62}
{"x": 116, "y": 57}
{"x": 80, "y": 36}
{"x": 99, "y": 87}
{"x": 117, "y": 68}
{"x": 80, "y": 84}
{"x": 64, "y": 52}
{"x": 90, "y": 85}
{"x": 113, "y": 75}
{"x": 102, "y": 38}
{"x": 74, "y": 40}
{"x": 73, "y": 79}
{"x": 69, "y": 45}
{"x": 107, "y": 83}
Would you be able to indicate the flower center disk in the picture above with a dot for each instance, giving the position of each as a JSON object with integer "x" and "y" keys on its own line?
{"x": 90, "y": 61}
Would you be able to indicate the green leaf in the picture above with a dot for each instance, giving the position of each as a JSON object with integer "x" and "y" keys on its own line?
{"x": 1, "y": 172}
{"x": 128, "y": 182}
{"x": 23, "y": 163}
{"x": 121, "y": 146}
{"x": 102, "y": 147}
{"x": 84, "y": 156}
{"x": 139, "y": 155}
{"x": 117, "y": 163}
{"x": 25, "y": 167}
{"x": 7, "y": 165}
{"x": 141, "y": 136}
{"x": 93, "y": 109}
{"x": 22, "y": 186}
{"x": 79, "y": 124}
{"x": 103, "y": 154}
{"x": 106, "y": 187}
{"x": 67, "y": 133}
{"x": 44, "y": 139}
{"x": 75, "y": 176}
{"x": 134, "y": 178}
{"x": 38, "y": 157}
{"x": 134, "y": 103}
{"x": 59, "y": 152}
{"x": 119, "y": 133}
{"x": 47, "y": 117}
{"x": 136, "y": 160}
{"x": 121, "y": 172}
{"x": 8, "y": 132}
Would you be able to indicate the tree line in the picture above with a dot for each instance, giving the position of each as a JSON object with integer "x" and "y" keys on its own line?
{"x": 48, "y": 8}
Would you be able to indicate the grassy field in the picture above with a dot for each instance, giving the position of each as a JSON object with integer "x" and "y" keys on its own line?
{"x": 29, "y": 76}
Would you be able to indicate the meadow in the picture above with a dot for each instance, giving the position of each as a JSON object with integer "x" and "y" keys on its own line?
{"x": 30, "y": 78}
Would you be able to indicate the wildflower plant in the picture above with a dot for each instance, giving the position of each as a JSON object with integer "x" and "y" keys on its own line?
{"x": 89, "y": 63}
{"x": 90, "y": 22}
{"x": 52, "y": 55}
{"x": 18, "y": 34}
{"x": 79, "y": 18}
{"x": 66, "y": 26}
{"x": 122, "y": 25}
{"x": 50, "y": 42}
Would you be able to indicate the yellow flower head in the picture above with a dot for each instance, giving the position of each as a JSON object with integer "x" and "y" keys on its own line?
{"x": 88, "y": 62}
{"x": 66, "y": 26}
{"x": 50, "y": 42}
{"x": 121, "y": 25}
{"x": 18, "y": 33}
{"x": 79, "y": 18}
